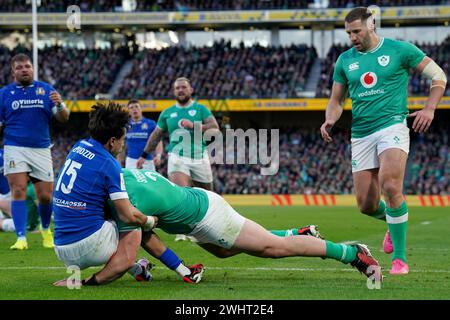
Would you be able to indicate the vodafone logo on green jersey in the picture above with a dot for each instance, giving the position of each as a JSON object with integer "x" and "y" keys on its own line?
{"x": 368, "y": 79}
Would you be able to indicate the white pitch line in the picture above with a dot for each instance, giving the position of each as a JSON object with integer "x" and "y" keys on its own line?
{"x": 237, "y": 268}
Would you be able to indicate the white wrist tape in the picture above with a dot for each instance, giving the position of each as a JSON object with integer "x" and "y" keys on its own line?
{"x": 436, "y": 74}
{"x": 60, "y": 107}
{"x": 149, "y": 224}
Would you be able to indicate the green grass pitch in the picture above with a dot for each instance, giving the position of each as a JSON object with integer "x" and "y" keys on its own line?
{"x": 29, "y": 274}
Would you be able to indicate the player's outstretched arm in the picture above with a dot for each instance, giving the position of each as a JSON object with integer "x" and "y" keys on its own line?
{"x": 429, "y": 69}
{"x": 334, "y": 109}
{"x": 152, "y": 142}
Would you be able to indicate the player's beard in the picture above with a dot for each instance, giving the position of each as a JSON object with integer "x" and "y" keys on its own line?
{"x": 25, "y": 81}
{"x": 184, "y": 100}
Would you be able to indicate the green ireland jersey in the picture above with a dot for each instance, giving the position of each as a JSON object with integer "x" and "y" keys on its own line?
{"x": 184, "y": 142}
{"x": 377, "y": 82}
{"x": 179, "y": 209}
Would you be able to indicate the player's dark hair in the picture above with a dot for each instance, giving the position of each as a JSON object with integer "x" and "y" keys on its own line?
{"x": 133, "y": 101}
{"x": 107, "y": 121}
{"x": 20, "y": 57}
{"x": 359, "y": 13}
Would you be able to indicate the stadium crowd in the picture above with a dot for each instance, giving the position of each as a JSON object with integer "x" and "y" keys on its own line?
{"x": 221, "y": 71}
{"x": 430, "y": 168}
{"x": 309, "y": 166}
{"x": 199, "y": 5}
{"x": 81, "y": 73}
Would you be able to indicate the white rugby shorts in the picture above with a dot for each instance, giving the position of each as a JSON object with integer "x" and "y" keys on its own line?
{"x": 366, "y": 150}
{"x": 221, "y": 225}
{"x": 198, "y": 169}
{"x": 91, "y": 251}
{"x": 35, "y": 161}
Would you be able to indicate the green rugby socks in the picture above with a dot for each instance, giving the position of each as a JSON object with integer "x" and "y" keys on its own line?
{"x": 397, "y": 219}
{"x": 341, "y": 252}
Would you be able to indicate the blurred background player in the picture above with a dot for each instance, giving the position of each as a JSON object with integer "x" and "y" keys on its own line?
{"x": 375, "y": 72}
{"x": 26, "y": 107}
{"x": 33, "y": 220}
{"x": 139, "y": 130}
{"x": 188, "y": 163}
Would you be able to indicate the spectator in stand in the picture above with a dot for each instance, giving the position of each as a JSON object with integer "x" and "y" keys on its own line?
{"x": 222, "y": 71}
{"x": 200, "y": 5}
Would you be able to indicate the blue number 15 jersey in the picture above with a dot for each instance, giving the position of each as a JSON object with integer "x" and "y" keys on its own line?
{"x": 90, "y": 176}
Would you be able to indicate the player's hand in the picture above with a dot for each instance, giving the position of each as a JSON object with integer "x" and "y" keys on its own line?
{"x": 56, "y": 98}
{"x": 140, "y": 163}
{"x": 65, "y": 283}
{"x": 147, "y": 228}
{"x": 188, "y": 124}
{"x": 325, "y": 130}
{"x": 423, "y": 119}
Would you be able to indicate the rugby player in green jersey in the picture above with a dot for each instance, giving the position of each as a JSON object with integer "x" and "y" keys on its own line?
{"x": 188, "y": 160}
{"x": 375, "y": 74}
{"x": 219, "y": 229}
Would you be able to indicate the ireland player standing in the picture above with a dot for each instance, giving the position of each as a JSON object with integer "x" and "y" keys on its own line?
{"x": 375, "y": 72}
{"x": 188, "y": 158}
{"x": 26, "y": 107}
{"x": 140, "y": 128}
{"x": 185, "y": 121}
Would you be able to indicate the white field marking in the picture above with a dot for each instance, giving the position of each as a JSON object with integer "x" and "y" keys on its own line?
{"x": 425, "y": 222}
{"x": 239, "y": 268}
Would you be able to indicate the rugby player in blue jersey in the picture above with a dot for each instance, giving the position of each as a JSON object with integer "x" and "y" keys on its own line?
{"x": 89, "y": 178}
{"x": 138, "y": 133}
{"x": 26, "y": 108}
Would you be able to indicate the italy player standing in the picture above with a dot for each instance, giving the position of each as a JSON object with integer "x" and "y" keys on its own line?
{"x": 26, "y": 107}
{"x": 375, "y": 72}
{"x": 139, "y": 130}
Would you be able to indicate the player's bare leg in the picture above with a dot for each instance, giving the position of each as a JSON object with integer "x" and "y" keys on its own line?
{"x": 367, "y": 190}
{"x": 122, "y": 260}
{"x": 18, "y": 186}
{"x": 392, "y": 172}
{"x": 203, "y": 185}
{"x": 44, "y": 191}
{"x": 180, "y": 179}
{"x": 5, "y": 207}
{"x": 219, "y": 252}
